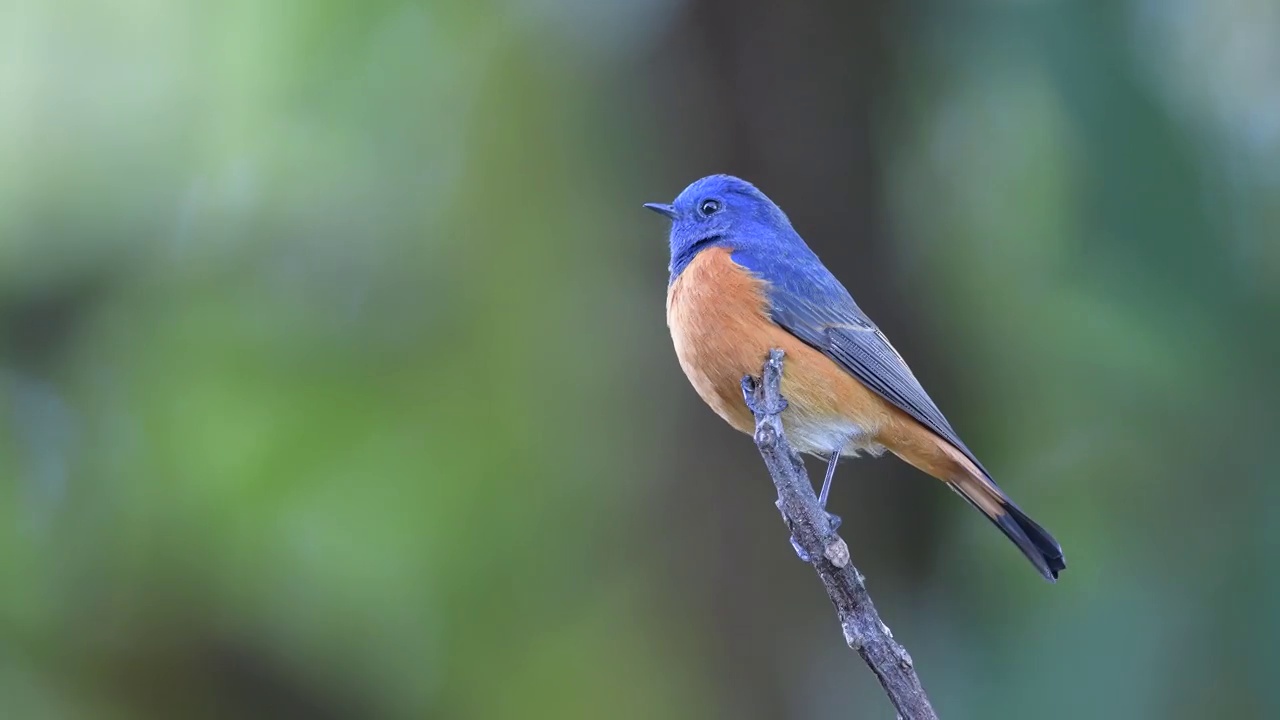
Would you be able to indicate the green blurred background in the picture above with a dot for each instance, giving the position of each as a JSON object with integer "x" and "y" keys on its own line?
{"x": 336, "y": 382}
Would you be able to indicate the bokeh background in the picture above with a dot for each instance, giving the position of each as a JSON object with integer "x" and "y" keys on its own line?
{"x": 336, "y": 383}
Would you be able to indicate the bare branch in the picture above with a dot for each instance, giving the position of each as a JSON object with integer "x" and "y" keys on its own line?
{"x": 814, "y": 537}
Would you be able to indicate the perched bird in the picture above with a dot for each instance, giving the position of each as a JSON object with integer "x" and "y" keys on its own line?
{"x": 743, "y": 282}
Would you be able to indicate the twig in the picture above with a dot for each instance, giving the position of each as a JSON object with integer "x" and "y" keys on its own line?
{"x": 812, "y": 533}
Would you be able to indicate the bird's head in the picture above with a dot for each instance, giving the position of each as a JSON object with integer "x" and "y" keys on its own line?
{"x": 720, "y": 211}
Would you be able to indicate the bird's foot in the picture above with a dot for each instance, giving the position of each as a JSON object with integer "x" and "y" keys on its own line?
{"x": 833, "y": 521}
{"x": 756, "y": 404}
{"x": 800, "y": 553}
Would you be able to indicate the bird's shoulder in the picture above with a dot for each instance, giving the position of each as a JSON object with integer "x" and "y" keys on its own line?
{"x": 794, "y": 276}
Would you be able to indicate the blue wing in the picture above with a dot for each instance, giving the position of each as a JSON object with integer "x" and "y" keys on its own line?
{"x": 807, "y": 301}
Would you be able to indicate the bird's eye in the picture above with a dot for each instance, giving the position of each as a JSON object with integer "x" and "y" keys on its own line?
{"x": 709, "y": 207}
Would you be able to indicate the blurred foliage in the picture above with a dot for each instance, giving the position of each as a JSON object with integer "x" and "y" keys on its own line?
{"x": 336, "y": 383}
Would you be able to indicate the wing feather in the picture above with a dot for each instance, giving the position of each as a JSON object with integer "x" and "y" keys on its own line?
{"x": 808, "y": 302}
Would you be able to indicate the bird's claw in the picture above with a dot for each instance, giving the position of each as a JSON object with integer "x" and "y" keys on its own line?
{"x": 804, "y": 556}
{"x": 750, "y": 393}
{"x": 833, "y": 522}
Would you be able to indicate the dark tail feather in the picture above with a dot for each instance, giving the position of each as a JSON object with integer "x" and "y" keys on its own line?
{"x": 1044, "y": 543}
{"x": 1034, "y": 541}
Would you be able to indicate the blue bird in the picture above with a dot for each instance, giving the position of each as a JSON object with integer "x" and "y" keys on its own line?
{"x": 743, "y": 282}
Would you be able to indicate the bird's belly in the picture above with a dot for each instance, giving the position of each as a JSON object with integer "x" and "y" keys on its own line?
{"x": 721, "y": 334}
{"x": 825, "y": 411}
{"x": 821, "y": 435}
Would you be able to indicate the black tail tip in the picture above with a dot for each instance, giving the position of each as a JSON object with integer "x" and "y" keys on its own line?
{"x": 1035, "y": 542}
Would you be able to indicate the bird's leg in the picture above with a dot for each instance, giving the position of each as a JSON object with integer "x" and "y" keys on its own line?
{"x": 826, "y": 489}
{"x": 832, "y": 459}
{"x": 833, "y": 520}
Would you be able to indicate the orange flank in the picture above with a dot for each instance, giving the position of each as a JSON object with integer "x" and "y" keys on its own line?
{"x": 718, "y": 341}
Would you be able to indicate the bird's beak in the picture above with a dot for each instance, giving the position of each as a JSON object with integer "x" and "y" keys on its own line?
{"x": 662, "y": 209}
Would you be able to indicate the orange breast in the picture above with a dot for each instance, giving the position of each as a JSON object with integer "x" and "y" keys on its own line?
{"x": 718, "y": 315}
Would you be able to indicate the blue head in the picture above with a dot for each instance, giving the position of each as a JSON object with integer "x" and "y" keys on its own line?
{"x": 725, "y": 211}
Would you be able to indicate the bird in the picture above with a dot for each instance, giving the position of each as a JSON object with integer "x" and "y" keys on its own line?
{"x": 742, "y": 282}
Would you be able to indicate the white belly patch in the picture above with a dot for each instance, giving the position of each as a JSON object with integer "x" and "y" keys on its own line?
{"x": 819, "y": 436}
